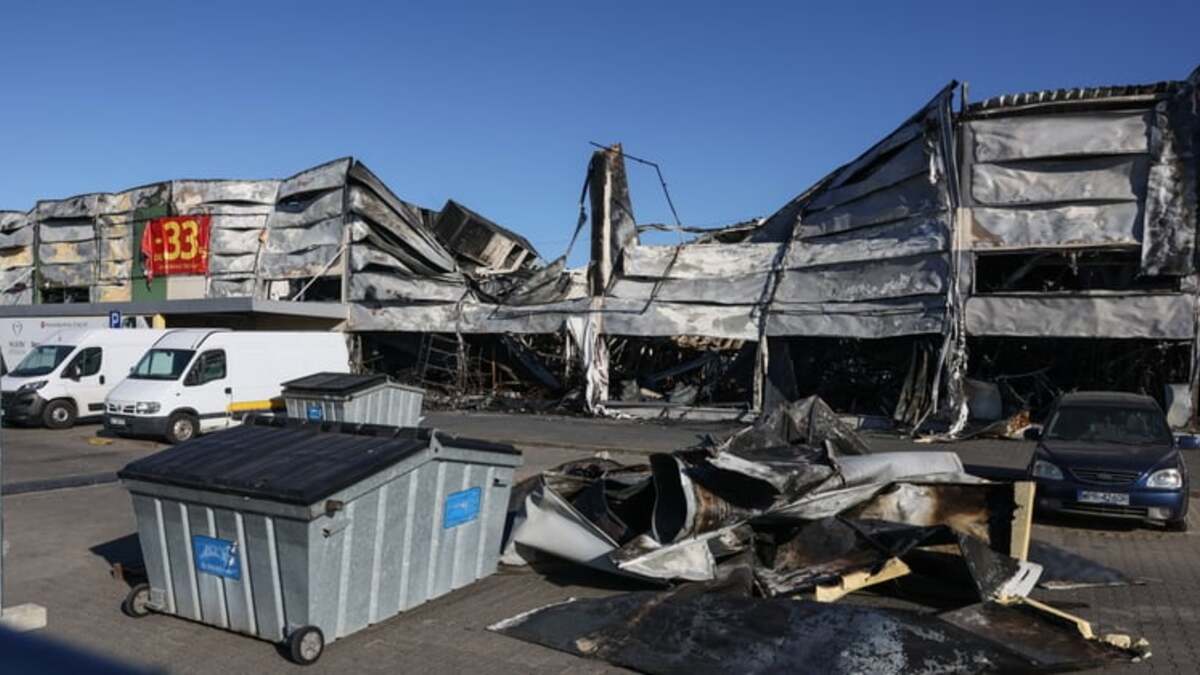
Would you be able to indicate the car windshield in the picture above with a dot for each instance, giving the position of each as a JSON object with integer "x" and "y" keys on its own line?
{"x": 1106, "y": 424}
{"x": 162, "y": 364}
{"x": 41, "y": 361}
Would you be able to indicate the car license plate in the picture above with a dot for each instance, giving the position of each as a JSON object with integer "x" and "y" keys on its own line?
{"x": 117, "y": 421}
{"x": 1116, "y": 498}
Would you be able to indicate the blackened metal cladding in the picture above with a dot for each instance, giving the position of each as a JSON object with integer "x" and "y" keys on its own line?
{"x": 984, "y": 511}
{"x": 724, "y": 632}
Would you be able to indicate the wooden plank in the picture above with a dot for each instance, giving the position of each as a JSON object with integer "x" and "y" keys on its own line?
{"x": 1022, "y": 524}
{"x": 894, "y": 568}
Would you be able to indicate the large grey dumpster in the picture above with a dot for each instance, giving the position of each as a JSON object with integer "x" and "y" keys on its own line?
{"x": 358, "y": 399}
{"x": 304, "y": 533}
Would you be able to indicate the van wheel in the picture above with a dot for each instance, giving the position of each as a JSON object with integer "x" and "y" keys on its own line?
{"x": 181, "y": 427}
{"x": 59, "y": 415}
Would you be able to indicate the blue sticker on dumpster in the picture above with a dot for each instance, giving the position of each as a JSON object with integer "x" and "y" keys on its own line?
{"x": 217, "y": 556}
{"x": 461, "y": 507}
{"x": 314, "y": 413}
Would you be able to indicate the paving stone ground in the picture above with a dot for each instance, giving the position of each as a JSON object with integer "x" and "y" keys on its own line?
{"x": 62, "y": 543}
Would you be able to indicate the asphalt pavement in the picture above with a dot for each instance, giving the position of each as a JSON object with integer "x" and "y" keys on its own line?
{"x": 64, "y": 541}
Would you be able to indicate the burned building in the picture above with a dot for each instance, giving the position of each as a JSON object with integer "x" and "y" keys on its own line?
{"x": 974, "y": 262}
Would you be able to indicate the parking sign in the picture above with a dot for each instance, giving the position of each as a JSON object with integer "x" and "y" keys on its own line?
{"x": 114, "y": 319}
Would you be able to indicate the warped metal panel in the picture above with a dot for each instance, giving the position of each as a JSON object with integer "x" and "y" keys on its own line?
{"x": 221, "y": 263}
{"x": 307, "y": 263}
{"x": 1060, "y": 135}
{"x": 908, "y": 198}
{"x": 299, "y": 239}
{"x": 698, "y": 261}
{"x": 322, "y": 177}
{"x": 16, "y": 257}
{"x": 187, "y": 195}
{"x": 919, "y": 275}
{"x": 82, "y": 274}
{"x": 362, "y": 257}
{"x": 909, "y": 316}
{"x": 15, "y": 238}
{"x": 909, "y": 160}
{"x": 317, "y": 208}
{"x": 1063, "y": 226}
{"x": 1172, "y": 203}
{"x": 67, "y": 252}
{"x": 229, "y": 288}
{"x": 1159, "y": 317}
{"x": 79, "y": 206}
{"x": 1049, "y": 181}
{"x": 227, "y": 241}
{"x": 392, "y": 287}
{"x": 71, "y": 230}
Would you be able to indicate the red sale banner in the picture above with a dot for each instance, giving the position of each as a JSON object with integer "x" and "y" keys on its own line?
{"x": 176, "y": 245}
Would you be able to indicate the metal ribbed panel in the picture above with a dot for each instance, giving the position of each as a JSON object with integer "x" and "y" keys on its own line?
{"x": 390, "y": 547}
{"x": 388, "y": 404}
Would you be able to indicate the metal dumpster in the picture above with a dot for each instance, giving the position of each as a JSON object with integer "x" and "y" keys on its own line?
{"x": 358, "y": 399}
{"x": 304, "y": 533}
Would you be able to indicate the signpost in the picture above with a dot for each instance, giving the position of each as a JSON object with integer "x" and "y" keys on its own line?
{"x": 114, "y": 318}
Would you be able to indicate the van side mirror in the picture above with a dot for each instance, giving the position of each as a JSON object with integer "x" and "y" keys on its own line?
{"x": 1033, "y": 434}
{"x": 72, "y": 374}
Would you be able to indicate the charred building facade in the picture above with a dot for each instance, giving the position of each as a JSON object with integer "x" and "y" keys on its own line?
{"x": 971, "y": 264}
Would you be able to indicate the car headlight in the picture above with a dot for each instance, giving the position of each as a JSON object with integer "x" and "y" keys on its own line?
{"x": 1044, "y": 469}
{"x": 1166, "y": 479}
{"x": 32, "y": 386}
{"x": 146, "y": 407}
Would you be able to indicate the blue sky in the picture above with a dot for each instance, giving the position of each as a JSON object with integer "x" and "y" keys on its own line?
{"x": 743, "y": 104}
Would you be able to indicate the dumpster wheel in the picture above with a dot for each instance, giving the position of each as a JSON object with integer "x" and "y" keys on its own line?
{"x": 135, "y": 603}
{"x": 305, "y": 645}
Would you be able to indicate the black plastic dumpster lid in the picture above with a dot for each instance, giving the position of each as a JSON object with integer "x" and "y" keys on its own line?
{"x": 285, "y": 460}
{"x": 334, "y": 383}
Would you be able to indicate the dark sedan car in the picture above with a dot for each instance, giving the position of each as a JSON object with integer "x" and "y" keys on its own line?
{"x": 1110, "y": 454}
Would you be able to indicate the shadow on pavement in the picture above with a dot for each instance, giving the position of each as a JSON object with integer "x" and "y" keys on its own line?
{"x": 124, "y": 558}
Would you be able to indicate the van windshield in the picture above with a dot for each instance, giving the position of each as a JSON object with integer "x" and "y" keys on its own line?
{"x": 162, "y": 364}
{"x": 41, "y": 361}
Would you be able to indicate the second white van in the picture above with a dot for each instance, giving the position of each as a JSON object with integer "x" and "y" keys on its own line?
{"x": 194, "y": 381}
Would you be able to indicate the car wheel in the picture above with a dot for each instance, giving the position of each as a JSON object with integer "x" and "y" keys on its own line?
{"x": 181, "y": 427}
{"x": 1180, "y": 525}
{"x": 59, "y": 415}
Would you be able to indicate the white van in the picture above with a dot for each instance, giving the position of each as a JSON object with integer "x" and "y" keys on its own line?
{"x": 66, "y": 376}
{"x": 193, "y": 381}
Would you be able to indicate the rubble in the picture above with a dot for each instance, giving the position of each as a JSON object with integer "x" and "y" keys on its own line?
{"x": 796, "y": 506}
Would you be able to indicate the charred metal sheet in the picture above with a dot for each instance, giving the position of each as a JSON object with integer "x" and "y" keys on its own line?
{"x": 307, "y": 262}
{"x": 81, "y": 274}
{"x": 809, "y": 422}
{"x": 16, "y": 257}
{"x": 373, "y": 286}
{"x": 219, "y": 263}
{"x": 306, "y": 209}
{"x": 1045, "y": 641}
{"x": 1160, "y": 316}
{"x": 1060, "y": 135}
{"x": 912, "y": 197}
{"x": 59, "y": 231}
{"x": 882, "y": 318}
{"x": 189, "y": 195}
{"x": 228, "y": 288}
{"x": 67, "y": 252}
{"x": 482, "y": 241}
{"x": 401, "y": 222}
{"x": 1053, "y": 181}
{"x": 80, "y": 206}
{"x": 1074, "y": 226}
{"x": 1169, "y": 244}
{"x": 909, "y": 160}
{"x": 304, "y": 237}
{"x": 225, "y": 240}
{"x": 325, "y": 176}
{"x": 688, "y": 632}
